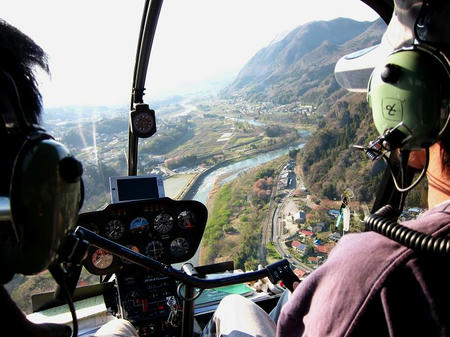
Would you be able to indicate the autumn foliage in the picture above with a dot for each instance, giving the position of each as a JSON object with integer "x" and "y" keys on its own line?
{"x": 262, "y": 188}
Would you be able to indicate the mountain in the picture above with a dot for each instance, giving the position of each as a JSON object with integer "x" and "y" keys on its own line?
{"x": 300, "y": 66}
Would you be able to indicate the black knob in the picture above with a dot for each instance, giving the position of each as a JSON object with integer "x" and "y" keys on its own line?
{"x": 391, "y": 73}
{"x": 70, "y": 169}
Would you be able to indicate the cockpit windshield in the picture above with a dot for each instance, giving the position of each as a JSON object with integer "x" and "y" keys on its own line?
{"x": 239, "y": 88}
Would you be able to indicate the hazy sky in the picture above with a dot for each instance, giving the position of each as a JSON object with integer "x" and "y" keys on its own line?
{"x": 92, "y": 43}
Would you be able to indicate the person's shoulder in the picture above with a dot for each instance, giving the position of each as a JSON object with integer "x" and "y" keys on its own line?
{"x": 339, "y": 289}
{"x": 373, "y": 248}
{"x": 367, "y": 248}
{"x": 431, "y": 221}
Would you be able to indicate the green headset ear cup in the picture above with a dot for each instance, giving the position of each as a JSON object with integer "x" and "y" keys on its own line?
{"x": 44, "y": 205}
{"x": 417, "y": 95}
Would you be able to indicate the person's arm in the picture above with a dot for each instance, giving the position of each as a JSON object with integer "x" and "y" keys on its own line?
{"x": 13, "y": 319}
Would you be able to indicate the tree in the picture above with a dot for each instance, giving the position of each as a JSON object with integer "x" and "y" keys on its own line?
{"x": 329, "y": 190}
{"x": 273, "y": 131}
{"x": 293, "y": 153}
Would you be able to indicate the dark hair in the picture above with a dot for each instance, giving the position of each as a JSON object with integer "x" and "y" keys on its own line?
{"x": 18, "y": 56}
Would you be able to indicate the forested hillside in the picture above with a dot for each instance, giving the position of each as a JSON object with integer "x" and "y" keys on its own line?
{"x": 330, "y": 164}
{"x": 300, "y": 68}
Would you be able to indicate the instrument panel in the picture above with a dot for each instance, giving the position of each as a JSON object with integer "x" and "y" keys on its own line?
{"x": 164, "y": 229}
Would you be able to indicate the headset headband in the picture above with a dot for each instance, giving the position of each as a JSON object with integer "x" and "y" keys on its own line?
{"x": 13, "y": 118}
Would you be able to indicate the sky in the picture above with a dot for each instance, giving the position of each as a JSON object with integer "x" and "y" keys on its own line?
{"x": 91, "y": 44}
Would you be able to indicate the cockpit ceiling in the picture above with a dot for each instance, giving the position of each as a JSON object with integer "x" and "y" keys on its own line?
{"x": 384, "y": 8}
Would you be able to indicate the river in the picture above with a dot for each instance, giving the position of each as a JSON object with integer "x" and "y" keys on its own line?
{"x": 249, "y": 121}
{"x": 234, "y": 169}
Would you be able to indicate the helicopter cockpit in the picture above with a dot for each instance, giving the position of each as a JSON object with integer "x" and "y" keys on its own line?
{"x": 142, "y": 242}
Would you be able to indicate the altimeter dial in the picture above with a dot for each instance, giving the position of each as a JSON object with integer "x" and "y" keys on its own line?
{"x": 114, "y": 229}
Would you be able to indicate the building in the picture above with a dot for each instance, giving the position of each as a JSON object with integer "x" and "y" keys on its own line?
{"x": 414, "y": 210}
{"x": 324, "y": 249}
{"x": 300, "y": 217}
{"x": 314, "y": 259}
{"x": 318, "y": 227}
{"x": 300, "y": 247}
{"x": 334, "y": 236}
{"x": 306, "y": 234}
{"x": 295, "y": 244}
{"x": 303, "y": 249}
{"x": 334, "y": 213}
{"x": 299, "y": 272}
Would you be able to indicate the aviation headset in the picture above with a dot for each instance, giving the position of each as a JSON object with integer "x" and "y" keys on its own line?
{"x": 409, "y": 95}
{"x": 45, "y": 189}
{"x": 411, "y": 90}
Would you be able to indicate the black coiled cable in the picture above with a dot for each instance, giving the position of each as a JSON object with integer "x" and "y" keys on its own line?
{"x": 384, "y": 221}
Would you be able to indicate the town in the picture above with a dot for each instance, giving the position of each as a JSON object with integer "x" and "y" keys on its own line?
{"x": 305, "y": 229}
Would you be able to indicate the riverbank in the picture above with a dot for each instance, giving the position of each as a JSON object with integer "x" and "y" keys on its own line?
{"x": 210, "y": 206}
{"x": 176, "y": 184}
{"x": 191, "y": 192}
{"x": 205, "y": 181}
{"x": 238, "y": 210}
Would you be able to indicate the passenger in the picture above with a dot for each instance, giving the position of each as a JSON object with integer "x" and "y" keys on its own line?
{"x": 19, "y": 56}
{"x": 370, "y": 285}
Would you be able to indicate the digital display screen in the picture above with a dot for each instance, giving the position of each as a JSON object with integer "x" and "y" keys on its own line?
{"x": 135, "y": 189}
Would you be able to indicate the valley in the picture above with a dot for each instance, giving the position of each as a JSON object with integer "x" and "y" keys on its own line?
{"x": 284, "y": 104}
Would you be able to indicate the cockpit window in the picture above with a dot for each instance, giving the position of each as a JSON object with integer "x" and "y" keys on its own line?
{"x": 250, "y": 120}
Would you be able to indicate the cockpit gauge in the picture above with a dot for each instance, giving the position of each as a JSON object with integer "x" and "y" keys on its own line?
{"x": 114, "y": 229}
{"x": 139, "y": 224}
{"x": 142, "y": 121}
{"x": 154, "y": 249}
{"x": 163, "y": 223}
{"x": 185, "y": 220}
{"x": 179, "y": 247}
{"x": 101, "y": 259}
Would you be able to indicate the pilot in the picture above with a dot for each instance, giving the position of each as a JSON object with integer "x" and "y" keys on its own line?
{"x": 371, "y": 285}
